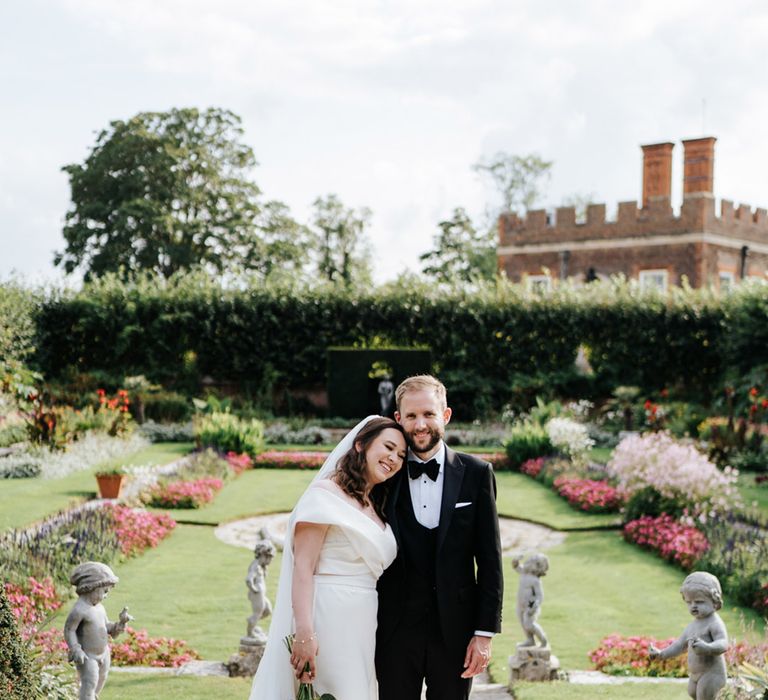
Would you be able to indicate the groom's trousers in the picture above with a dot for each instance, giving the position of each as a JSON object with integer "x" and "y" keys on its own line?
{"x": 418, "y": 654}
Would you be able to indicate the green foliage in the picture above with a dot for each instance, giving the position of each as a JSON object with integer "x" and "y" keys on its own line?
{"x": 17, "y": 325}
{"x": 526, "y": 440}
{"x": 461, "y": 253}
{"x": 167, "y": 407}
{"x": 225, "y": 432}
{"x": 516, "y": 178}
{"x": 202, "y": 464}
{"x": 168, "y": 191}
{"x": 648, "y": 501}
{"x": 344, "y": 255}
{"x": 17, "y": 681}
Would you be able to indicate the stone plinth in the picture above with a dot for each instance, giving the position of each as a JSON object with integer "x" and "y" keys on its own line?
{"x": 247, "y": 660}
{"x": 533, "y": 664}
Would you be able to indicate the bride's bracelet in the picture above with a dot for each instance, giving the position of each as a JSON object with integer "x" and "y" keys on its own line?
{"x": 312, "y": 637}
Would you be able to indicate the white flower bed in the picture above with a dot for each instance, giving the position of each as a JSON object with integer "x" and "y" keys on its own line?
{"x": 675, "y": 470}
{"x": 89, "y": 451}
{"x": 569, "y": 437}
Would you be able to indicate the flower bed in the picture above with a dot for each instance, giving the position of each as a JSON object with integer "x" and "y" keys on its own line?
{"x": 137, "y": 648}
{"x": 498, "y": 460}
{"x": 184, "y": 494}
{"x": 628, "y": 656}
{"x": 670, "y": 539}
{"x": 276, "y": 459}
{"x": 239, "y": 462}
{"x": 674, "y": 470}
{"x": 532, "y": 467}
{"x": 588, "y": 494}
{"x": 138, "y": 530}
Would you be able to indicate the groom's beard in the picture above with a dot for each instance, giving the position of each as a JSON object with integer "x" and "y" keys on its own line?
{"x": 434, "y": 436}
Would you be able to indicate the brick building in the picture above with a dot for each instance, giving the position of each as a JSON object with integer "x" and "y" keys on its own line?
{"x": 649, "y": 243}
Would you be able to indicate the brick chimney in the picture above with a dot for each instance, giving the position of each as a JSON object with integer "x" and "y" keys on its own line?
{"x": 657, "y": 171}
{"x": 698, "y": 166}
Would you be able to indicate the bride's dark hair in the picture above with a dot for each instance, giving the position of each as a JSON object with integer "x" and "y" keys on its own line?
{"x": 350, "y": 470}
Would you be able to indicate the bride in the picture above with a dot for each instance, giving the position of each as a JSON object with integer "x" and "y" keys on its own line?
{"x": 336, "y": 547}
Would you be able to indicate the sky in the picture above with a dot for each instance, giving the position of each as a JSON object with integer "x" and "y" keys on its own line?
{"x": 385, "y": 103}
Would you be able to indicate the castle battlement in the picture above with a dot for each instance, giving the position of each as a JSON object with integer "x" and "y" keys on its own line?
{"x": 697, "y": 214}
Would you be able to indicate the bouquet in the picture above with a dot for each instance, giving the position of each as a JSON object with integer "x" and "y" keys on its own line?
{"x": 306, "y": 691}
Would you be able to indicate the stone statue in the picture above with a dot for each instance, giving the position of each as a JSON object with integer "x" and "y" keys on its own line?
{"x": 532, "y": 662}
{"x": 246, "y": 660}
{"x": 386, "y": 391}
{"x": 706, "y": 638}
{"x": 256, "y": 582}
{"x": 530, "y": 595}
{"x": 87, "y": 629}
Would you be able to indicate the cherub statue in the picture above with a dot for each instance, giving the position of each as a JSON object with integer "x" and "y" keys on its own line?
{"x": 87, "y": 629}
{"x": 530, "y": 595}
{"x": 256, "y": 582}
{"x": 705, "y": 638}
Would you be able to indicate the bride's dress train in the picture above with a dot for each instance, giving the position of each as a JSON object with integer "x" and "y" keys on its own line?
{"x": 355, "y": 552}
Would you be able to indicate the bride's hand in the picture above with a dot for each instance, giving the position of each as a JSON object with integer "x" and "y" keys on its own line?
{"x": 305, "y": 649}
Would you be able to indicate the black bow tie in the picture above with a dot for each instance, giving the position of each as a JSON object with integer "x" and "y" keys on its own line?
{"x": 416, "y": 469}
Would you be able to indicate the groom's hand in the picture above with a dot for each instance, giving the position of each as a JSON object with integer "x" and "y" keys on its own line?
{"x": 477, "y": 657}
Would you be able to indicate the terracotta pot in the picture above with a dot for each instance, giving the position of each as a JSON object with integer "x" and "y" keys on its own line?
{"x": 110, "y": 485}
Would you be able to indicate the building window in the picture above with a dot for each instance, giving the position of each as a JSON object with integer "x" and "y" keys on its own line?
{"x": 538, "y": 283}
{"x": 726, "y": 280}
{"x": 653, "y": 279}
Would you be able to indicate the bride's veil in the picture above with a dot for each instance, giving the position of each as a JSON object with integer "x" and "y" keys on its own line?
{"x": 281, "y": 624}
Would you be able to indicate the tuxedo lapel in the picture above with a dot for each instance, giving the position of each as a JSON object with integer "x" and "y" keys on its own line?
{"x": 394, "y": 497}
{"x": 454, "y": 474}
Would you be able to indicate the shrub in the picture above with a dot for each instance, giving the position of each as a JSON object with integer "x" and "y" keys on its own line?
{"x": 283, "y": 434}
{"x": 670, "y": 539}
{"x": 206, "y": 463}
{"x": 526, "y": 440}
{"x": 628, "y": 656}
{"x": 274, "y": 459}
{"x": 166, "y": 407}
{"x": 588, "y": 495}
{"x": 20, "y": 466}
{"x": 174, "y": 432}
{"x": 569, "y": 438}
{"x": 11, "y": 433}
{"x": 675, "y": 471}
{"x": 17, "y": 681}
{"x": 137, "y": 648}
{"x": 184, "y": 494}
{"x": 227, "y": 433}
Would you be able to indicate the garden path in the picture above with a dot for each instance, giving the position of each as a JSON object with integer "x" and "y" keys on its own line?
{"x": 517, "y": 536}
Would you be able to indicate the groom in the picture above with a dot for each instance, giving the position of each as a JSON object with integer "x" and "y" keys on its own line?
{"x": 440, "y": 600}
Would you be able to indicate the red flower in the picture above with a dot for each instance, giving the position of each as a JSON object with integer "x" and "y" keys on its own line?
{"x": 764, "y": 403}
{"x": 753, "y": 409}
{"x": 101, "y": 392}
{"x": 648, "y": 404}
{"x": 753, "y": 392}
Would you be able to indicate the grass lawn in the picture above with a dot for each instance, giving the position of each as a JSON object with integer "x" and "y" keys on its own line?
{"x": 519, "y": 496}
{"x": 133, "y": 685}
{"x": 25, "y": 501}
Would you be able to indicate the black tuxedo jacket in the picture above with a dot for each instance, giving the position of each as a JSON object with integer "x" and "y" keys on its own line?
{"x": 468, "y": 569}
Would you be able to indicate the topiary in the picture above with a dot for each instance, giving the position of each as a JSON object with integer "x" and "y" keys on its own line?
{"x": 17, "y": 679}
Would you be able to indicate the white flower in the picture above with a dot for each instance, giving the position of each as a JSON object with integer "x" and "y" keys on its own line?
{"x": 569, "y": 437}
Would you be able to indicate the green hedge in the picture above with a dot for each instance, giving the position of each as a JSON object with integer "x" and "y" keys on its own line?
{"x": 488, "y": 344}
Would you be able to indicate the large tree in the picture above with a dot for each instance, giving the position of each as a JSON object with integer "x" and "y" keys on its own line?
{"x": 461, "y": 253}
{"x": 344, "y": 255}
{"x": 166, "y": 191}
{"x": 518, "y": 179}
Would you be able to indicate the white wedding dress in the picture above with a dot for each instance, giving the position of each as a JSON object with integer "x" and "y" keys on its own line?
{"x": 355, "y": 552}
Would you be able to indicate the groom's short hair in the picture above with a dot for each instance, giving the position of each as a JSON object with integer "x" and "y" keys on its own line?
{"x": 421, "y": 382}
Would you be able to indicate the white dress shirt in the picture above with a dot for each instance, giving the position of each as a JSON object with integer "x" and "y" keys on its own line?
{"x": 427, "y": 495}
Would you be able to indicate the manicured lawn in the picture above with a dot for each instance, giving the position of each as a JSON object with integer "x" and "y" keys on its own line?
{"x": 25, "y": 501}
{"x": 131, "y": 686}
{"x": 600, "y": 454}
{"x": 519, "y": 496}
